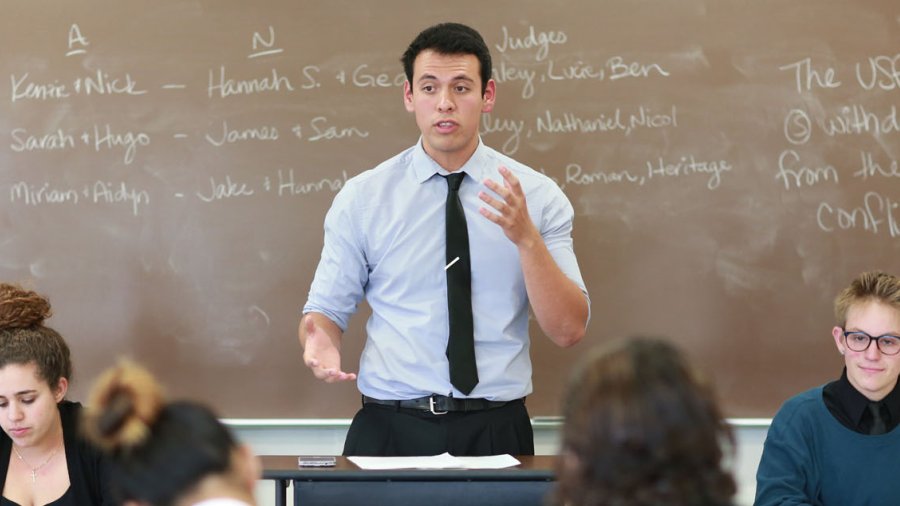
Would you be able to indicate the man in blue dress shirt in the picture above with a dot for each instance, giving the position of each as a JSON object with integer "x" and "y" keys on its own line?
{"x": 385, "y": 241}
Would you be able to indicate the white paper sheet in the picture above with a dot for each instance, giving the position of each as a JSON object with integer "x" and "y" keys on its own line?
{"x": 443, "y": 461}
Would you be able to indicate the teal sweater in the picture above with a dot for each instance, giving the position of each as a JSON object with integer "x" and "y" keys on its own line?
{"x": 810, "y": 458}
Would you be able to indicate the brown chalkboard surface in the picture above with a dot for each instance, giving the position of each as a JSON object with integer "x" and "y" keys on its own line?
{"x": 166, "y": 167}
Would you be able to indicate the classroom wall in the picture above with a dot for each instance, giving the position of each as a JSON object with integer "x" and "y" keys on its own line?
{"x": 327, "y": 437}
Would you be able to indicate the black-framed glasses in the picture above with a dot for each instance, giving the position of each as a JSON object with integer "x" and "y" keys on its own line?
{"x": 858, "y": 340}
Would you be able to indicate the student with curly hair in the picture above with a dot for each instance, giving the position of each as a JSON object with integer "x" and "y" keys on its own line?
{"x": 42, "y": 458}
{"x": 641, "y": 429}
{"x": 166, "y": 453}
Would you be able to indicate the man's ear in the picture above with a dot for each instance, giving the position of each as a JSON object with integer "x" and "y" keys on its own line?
{"x": 490, "y": 96}
{"x": 407, "y": 96}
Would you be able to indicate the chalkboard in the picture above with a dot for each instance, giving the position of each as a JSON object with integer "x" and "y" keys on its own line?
{"x": 166, "y": 167}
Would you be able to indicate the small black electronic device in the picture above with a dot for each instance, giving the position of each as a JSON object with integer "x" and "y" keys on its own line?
{"x": 316, "y": 461}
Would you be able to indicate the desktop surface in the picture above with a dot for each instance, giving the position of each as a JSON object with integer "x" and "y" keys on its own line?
{"x": 345, "y": 483}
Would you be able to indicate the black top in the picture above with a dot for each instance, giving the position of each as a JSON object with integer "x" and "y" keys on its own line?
{"x": 67, "y": 499}
{"x": 88, "y": 469}
{"x": 849, "y": 406}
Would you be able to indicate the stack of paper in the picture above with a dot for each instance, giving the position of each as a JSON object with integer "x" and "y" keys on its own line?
{"x": 443, "y": 461}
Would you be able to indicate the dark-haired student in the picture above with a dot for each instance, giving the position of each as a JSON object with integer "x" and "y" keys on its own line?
{"x": 642, "y": 429}
{"x": 838, "y": 444}
{"x": 166, "y": 453}
{"x": 43, "y": 459}
{"x": 449, "y": 242}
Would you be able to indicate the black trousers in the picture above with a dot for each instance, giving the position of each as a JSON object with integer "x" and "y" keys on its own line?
{"x": 394, "y": 432}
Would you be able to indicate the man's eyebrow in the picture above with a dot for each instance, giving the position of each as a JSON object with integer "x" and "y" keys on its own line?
{"x": 460, "y": 77}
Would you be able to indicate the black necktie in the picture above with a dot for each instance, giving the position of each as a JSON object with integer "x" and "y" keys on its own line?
{"x": 878, "y": 425}
{"x": 461, "y": 344}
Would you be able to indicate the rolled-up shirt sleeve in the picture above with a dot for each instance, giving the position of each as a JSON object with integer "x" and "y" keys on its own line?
{"x": 556, "y": 230}
{"x": 342, "y": 273}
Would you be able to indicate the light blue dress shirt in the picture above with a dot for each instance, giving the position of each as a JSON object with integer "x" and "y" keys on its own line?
{"x": 385, "y": 240}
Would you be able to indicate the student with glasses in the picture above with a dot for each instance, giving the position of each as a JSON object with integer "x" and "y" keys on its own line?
{"x": 837, "y": 444}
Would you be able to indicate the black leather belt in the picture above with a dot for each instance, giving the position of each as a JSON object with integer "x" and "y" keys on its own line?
{"x": 439, "y": 404}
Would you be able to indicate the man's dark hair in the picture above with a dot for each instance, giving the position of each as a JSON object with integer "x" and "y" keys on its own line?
{"x": 449, "y": 39}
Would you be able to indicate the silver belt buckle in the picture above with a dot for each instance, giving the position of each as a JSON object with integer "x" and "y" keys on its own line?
{"x": 431, "y": 407}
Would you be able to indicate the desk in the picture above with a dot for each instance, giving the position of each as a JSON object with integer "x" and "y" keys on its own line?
{"x": 347, "y": 484}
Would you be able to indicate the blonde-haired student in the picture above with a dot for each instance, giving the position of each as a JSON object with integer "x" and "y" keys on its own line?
{"x": 838, "y": 444}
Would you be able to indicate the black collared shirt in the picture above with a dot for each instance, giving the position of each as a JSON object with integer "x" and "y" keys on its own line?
{"x": 849, "y": 406}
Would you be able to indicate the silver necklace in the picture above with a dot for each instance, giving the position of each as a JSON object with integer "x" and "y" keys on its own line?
{"x": 34, "y": 470}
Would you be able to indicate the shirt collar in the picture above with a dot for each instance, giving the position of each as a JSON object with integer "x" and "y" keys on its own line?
{"x": 425, "y": 167}
{"x": 855, "y": 402}
{"x": 892, "y": 401}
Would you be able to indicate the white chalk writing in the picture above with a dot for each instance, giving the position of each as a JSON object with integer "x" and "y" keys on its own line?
{"x": 615, "y": 120}
{"x": 573, "y": 71}
{"x": 103, "y": 192}
{"x": 491, "y": 124}
{"x": 806, "y": 77}
{"x": 224, "y": 87}
{"x": 689, "y": 165}
{"x": 619, "y": 69}
{"x": 797, "y": 126}
{"x": 105, "y": 138}
{"x": 796, "y": 175}
{"x": 322, "y": 131}
{"x": 41, "y": 194}
{"x": 25, "y": 142}
{"x": 533, "y": 40}
{"x": 362, "y": 78}
{"x": 576, "y": 175}
{"x": 264, "y": 47}
{"x": 288, "y": 186}
{"x": 310, "y": 73}
{"x": 230, "y": 136}
{"x": 76, "y": 37}
{"x": 505, "y": 72}
{"x": 871, "y": 168}
{"x": 225, "y": 190}
{"x": 98, "y": 192}
{"x": 876, "y": 214}
{"x": 883, "y": 72}
{"x": 857, "y": 119}
{"x": 103, "y": 84}
{"x": 99, "y": 84}
{"x": 22, "y": 89}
